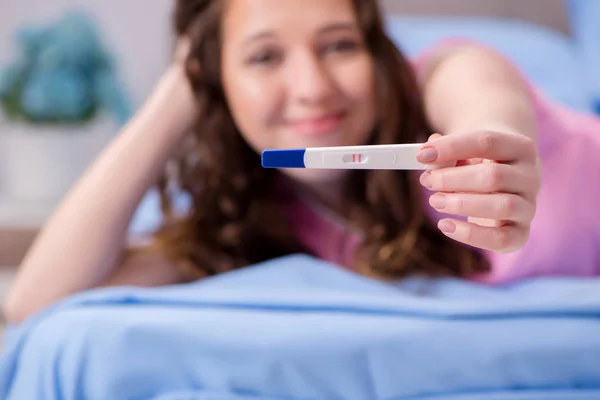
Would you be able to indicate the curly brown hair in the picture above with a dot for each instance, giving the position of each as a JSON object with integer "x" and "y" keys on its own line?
{"x": 231, "y": 194}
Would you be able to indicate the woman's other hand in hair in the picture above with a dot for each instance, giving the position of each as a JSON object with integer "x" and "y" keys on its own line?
{"x": 182, "y": 50}
{"x": 173, "y": 96}
{"x": 494, "y": 184}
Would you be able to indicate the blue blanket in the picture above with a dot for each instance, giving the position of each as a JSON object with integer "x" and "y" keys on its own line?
{"x": 298, "y": 328}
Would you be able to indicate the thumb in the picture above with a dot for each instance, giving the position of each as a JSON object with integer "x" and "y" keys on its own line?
{"x": 431, "y": 166}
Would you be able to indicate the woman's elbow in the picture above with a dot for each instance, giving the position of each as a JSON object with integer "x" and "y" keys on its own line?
{"x": 15, "y": 310}
{"x": 23, "y": 301}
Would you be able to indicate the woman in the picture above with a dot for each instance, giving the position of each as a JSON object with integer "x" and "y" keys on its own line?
{"x": 259, "y": 74}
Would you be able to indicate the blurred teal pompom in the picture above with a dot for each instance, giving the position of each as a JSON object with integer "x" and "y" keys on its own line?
{"x": 64, "y": 73}
{"x": 57, "y": 95}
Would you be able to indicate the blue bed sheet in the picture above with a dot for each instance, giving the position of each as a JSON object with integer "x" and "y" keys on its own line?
{"x": 299, "y": 328}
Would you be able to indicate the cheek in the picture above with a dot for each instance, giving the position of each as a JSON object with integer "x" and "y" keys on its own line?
{"x": 364, "y": 90}
{"x": 358, "y": 83}
{"x": 359, "y": 79}
{"x": 251, "y": 103}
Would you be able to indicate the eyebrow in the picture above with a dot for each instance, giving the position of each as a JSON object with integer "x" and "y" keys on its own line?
{"x": 338, "y": 26}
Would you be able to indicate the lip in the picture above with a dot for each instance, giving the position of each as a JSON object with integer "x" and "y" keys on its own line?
{"x": 317, "y": 125}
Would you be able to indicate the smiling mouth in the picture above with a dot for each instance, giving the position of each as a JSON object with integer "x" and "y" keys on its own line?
{"x": 317, "y": 126}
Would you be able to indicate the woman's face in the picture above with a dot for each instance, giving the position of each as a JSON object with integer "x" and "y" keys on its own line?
{"x": 297, "y": 74}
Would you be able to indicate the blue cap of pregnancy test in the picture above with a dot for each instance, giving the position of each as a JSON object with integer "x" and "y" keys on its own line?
{"x": 293, "y": 158}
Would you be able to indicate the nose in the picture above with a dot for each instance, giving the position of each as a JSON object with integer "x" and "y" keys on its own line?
{"x": 309, "y": 81}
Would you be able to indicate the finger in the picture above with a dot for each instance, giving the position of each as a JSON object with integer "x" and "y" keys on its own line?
{"x": 459, "y": 163}
{"x": 482, "y": 178}
{"x": 501, "y": 207}
{"x": 474, "y": 161}
{"x": 503, "y": 239}
{"x": 434, "y": 154}
{"x": 428, "y": 155}
{"x": 497, "y": 146}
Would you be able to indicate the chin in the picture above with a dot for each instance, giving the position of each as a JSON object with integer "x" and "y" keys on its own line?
{"x": 315, "y": 176}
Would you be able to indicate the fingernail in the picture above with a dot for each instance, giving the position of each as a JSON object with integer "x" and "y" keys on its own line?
{"x": 428, "y": 155}
{"x": 447, "y": 226}
{"x": 438, "y": 201}
{"x": 426, "y": 180}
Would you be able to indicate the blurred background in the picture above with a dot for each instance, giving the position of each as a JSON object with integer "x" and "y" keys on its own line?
{"x": 73, "y": 71}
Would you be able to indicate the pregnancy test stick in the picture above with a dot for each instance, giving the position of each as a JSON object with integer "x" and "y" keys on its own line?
{"x": 387, "y": 156}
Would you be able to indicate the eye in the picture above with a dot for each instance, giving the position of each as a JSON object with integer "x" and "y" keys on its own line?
{"x": 343, "y": 45}
{"x": 266, "y": 57}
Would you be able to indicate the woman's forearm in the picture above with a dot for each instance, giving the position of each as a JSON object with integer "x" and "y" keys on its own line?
{"x": 81, "y": 243}
{"x": 474, "y": 89}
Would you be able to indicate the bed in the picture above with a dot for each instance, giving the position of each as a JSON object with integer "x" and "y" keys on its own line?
{"x": 297, "y": 328}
